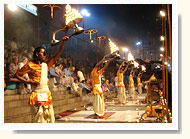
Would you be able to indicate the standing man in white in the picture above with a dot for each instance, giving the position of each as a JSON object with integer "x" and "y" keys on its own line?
{"x": 40, "y": 98}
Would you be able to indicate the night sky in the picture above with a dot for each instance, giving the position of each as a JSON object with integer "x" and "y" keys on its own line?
{"x": 125, "y": 24}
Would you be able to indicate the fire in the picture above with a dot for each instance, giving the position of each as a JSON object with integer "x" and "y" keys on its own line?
{"x": 72, "y": 16}
{"x": 113, "y": 47}
{"x": 136, "y": 64}
{"x": 143, "y": 68}
{"x": 130, "y": 57}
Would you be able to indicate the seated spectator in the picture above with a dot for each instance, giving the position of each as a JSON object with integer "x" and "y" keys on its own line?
{"x": 67, "y": 71}
{"x": 68, "y": 81}
{"x": 10, "y": 79}
{"x": 13, "y": 67}
{"x": 20, "y": 65}
{"x": 85, "y": 87}
{"x": 23, "y": 62}
{"x": 58, "y": 69}
{"x": 80, "y": 75}
{"x": 104, "y": 87}
{"x": 75, "y": 87}
{"x": 30, "y": 56}
{"x": 74, "y": 73}
{"x": 88, "y": 81}
{"x": 52, "y": 74}
{"x": 64, "y": 80}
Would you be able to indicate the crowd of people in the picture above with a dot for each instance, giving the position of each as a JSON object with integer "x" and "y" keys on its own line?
{"x": 64, "y": 73}
{"x": 16, "y": 55}
{"x": 25, "y": 69}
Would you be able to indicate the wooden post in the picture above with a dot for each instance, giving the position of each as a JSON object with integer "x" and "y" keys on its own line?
{"x": 170, "y": 34}
{"x": 163, "y": 59}
{"x": 170, "y": 41}
{"x": 166, "y": 59}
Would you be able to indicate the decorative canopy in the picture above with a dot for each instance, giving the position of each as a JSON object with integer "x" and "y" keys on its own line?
{"x": 90, "y": 31}
{"x": 100, "y": 38}
{"x": 52, "y": 6}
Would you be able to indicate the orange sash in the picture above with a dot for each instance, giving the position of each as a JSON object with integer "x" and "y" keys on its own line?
{"x": 131, "y": 82}
{"x": 33, "y": 99}
{"x": 97, "y": 90}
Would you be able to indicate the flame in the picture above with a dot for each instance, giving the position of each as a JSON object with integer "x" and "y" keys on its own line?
{"x": 71, "y": 14}
{"x": 143, "y": 68}
{"x": 136, "y": 64}
{"x": 130, "y": 57}
{"x": 113, "y": 47}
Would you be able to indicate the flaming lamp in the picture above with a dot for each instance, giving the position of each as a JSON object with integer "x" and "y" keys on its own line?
{"x": 72, "y": 17}
{"x": 113, "y": 47}
{"x": 143, "y": 68}
{"x": 130, "y": 57}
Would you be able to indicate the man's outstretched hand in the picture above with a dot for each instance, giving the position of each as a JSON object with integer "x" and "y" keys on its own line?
{"x": 65, "y": 38}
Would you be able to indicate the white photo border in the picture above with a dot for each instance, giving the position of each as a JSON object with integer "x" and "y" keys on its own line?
{"x": 97, "y": 126}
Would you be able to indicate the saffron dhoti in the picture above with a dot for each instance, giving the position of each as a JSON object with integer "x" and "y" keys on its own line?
{"x": 42, "y": 100}
{"x": 98, "y": 98}
{"x": 121, "y": 88}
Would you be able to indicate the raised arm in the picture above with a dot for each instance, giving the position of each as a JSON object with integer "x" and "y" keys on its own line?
{"x": 121, "y": 65}
{"x": 103, "y": 59}
{"x": 131, "y": 73}
{"x": 125, "y": 68}
{"x": 58, "y": 54}
{"x": 107, "y": 64}
{"x": 149, "y": 79}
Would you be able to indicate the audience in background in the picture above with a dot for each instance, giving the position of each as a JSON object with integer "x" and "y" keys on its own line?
{"x": 74, "y": 76}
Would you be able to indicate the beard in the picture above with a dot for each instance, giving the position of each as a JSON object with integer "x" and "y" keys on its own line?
{"x": 41, "y": 59}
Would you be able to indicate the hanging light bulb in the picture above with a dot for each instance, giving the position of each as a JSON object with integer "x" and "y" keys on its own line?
{"x": 162, "y": 13}
{"x": 162, "y": 48}
{"x": 162, "y": 38}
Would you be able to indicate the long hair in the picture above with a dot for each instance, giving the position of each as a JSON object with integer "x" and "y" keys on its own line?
{"x": 36, "y": 51}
